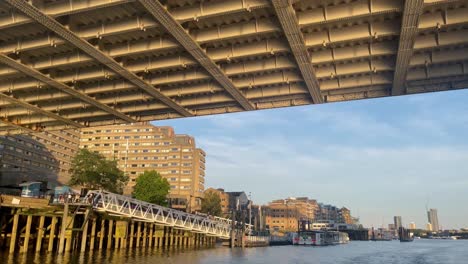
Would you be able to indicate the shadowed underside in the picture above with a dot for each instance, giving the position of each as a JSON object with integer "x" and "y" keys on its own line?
{"x": 78, "y": 63}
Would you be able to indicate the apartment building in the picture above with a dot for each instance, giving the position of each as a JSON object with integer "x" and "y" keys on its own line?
{"x": 141, "y": 147}
{"x": 44, "y": 156}
{"x": 224, "y": 197}
{"x": 283, "y": 215}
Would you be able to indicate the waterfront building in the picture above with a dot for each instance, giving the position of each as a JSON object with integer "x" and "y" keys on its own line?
{"x": 283, "y": 215}
{"x": 224, "y": 197}
{"x": 429, "y": 227}
{"x": 327, "y": 212}
{"x": 141, "y": 146}
{"x": 391, "y": 226}
{"x": 412, "y": 226}
{"x": 397, "y": 222}
{"x": 344, "y": 216}
{"x": 42, "y": 156}
{"x": 433, "y": 219}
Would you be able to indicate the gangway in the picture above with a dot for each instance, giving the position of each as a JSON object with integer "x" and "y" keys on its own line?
{"x": 121, "y": 205}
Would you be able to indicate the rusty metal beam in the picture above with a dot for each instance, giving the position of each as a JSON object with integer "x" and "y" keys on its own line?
{"x": 62, "y": 87}
{"x": 93, "y": 52}
{"x": 166, "y": 20}
{"x": 288, "y": 20}
{"x": 409, "y": 30}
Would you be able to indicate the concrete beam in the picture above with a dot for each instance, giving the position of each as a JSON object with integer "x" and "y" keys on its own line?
{"x": 93, "y": 52}
{"x": 409, "y": 30}
{"x": 17, "y": 126}
{"x": 62, "y": 87}
{"x": 287, "y": 18}
{"x": 39, "y": 110}
{"x": 167, "y": 21}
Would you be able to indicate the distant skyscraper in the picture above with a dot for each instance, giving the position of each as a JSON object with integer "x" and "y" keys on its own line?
{"x": 433, "y": 219}
{"x": 412, "y": 226}
{"x": 397, "y": 222}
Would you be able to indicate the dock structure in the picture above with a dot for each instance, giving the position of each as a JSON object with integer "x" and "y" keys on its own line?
{"x": 105, "y": 221}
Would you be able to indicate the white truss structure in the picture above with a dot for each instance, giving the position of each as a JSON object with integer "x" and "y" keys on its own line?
{"x": 142, "y": 211}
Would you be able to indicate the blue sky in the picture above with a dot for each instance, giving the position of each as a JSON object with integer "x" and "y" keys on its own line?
{"x": 379, "y": 157}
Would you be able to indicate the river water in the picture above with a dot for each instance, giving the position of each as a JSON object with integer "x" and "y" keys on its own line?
{"x": 356, "y": 252}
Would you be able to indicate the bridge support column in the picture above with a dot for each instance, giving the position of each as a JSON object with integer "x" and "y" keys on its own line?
{"x": 50, "y": 247}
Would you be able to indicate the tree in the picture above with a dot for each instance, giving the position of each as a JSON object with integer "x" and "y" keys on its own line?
{"x": 92, "y": 170}
{"x": 152, "y": 188}
{"x": 211, "y": 204}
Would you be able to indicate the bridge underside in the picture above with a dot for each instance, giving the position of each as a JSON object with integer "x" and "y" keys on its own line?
{"x": 78, "y": 63}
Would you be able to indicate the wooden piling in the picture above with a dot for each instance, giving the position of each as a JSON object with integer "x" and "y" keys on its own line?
{"x": 144, "y": 234}
{"x": 63, "y": 229}
{"x": 40, "y": 233}
{"x": 150, "y": 242}
{"x": 109, "y": 236}
{"x": 69, "y": 234}
{"x": 84, "y": 236}
{"x": 138, "y": 234}
{"x": 27, "y": 235}
{"x": 132, "y": 234}
{"x": 50, "y": 246}
{"x": 101, "y": 233}
{"x": 14, "y": 233}
{"x": 93, "y": 234}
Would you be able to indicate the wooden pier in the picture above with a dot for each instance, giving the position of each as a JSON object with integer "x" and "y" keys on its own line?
{"x": 31, "y": 224}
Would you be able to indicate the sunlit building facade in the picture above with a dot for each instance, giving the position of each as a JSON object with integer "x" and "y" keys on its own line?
{"x": 143, "y": 147}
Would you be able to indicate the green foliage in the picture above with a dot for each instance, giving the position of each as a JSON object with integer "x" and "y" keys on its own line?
{"x": 92, "y": 170}
{"x": 152, "y": 188}
{"x": 211, "y": 204}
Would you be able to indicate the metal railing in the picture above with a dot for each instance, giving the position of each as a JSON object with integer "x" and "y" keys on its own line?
{"x": 125, "y": 206}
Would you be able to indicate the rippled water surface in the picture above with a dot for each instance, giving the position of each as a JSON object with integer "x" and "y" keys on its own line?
{"x": 418, "y": 252}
